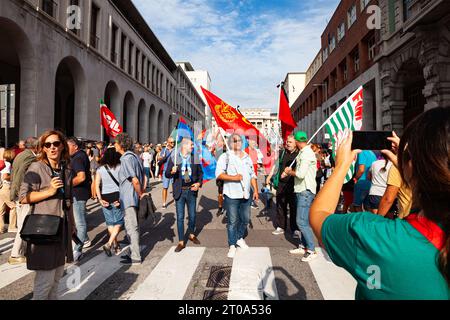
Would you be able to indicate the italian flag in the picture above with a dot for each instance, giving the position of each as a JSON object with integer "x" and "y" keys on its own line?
{"x": 348, "y": 116}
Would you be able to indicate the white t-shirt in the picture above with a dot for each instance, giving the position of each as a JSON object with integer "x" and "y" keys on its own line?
{"x": 379, "y": 177}
{"x": 147, "y": 158}
{"x": 6, "y": 170}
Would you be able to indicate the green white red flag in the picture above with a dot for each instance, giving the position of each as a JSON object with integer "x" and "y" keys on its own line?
{"x": 348, "y": 116}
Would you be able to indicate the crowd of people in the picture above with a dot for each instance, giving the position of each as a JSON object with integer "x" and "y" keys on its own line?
{"x": 389, "y": 192}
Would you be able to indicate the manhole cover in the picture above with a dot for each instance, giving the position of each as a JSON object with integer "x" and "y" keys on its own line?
{"x": 215, "y": 295}
{"x": 219, "y": 277}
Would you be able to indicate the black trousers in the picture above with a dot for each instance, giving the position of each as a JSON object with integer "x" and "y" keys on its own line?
{"x": 286, "y": 204}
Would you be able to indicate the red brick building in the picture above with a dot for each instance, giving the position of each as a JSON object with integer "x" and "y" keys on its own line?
{"x": 346, "y": 61}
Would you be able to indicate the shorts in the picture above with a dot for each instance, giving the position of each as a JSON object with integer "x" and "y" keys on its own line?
{"x": 361, "y": 193}
{"x": 219, "y": 184}
{"x": 166, "y": 182}
{"x": 374, "y": 202}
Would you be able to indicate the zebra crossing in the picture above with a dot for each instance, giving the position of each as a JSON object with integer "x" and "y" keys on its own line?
{"x": 252, "y": 276}
{"x": 6, "y": 245}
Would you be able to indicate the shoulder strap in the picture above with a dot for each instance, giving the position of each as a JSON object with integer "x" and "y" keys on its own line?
{"x": 429, "y": 229}
{"x": 112, "y": 176}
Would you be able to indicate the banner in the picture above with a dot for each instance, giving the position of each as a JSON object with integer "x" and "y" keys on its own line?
{"x": 230, "y": 120}
{"x": 348, "y": 116}
{"x": 109, "y": 122}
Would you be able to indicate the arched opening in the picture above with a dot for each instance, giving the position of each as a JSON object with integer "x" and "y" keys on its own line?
{"x": 143, "y": 122}
{"x": 161, "y": 137}
{"x": 411, "y": 76}
{"x": 64, "y": 100}
{"x": 153, "y": 125}
{"x": 112, "y": 101}
{"x": 16, "y": 67}
{"x": 70, "y": 96}
{"x": 128, "y": 106}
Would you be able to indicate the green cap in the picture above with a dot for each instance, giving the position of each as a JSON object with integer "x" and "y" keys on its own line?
{"x": 301, "y": 136}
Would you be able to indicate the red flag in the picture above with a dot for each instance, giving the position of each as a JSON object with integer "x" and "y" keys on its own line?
{"x": 109, "y": 122}
{"x": 229, "y": 119}
{"x": 287, "y": 121}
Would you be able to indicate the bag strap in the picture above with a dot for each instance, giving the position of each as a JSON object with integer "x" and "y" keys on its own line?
{"x": 112, "y": 176}
{"x": 429, "y": 229}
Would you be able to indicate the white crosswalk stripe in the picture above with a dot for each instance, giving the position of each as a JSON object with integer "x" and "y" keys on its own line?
{"x": 252, "y": 276}
{"x": 171, "y": 277}
{"x": 6, "y": 245}
{"x": 334, "y": 282}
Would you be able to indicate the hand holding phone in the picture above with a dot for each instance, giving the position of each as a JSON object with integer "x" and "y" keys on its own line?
{"x": 371, "y": 140}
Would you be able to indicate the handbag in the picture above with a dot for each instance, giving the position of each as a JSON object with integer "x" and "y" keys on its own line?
{"x": 40, "y": 229}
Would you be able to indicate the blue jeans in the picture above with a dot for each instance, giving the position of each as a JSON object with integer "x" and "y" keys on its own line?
{"x": 238, "y": 217}
{"x": 304, "y": 200}
{"x": 113, "y": 216}
{"x": 79, "y": 214}
{"x": 190, "y": 199}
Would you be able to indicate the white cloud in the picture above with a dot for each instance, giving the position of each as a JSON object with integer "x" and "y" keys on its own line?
{"x": 246, "y": 59}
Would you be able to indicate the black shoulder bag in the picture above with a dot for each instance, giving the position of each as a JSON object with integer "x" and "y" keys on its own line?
{"x": 41, "y": 229}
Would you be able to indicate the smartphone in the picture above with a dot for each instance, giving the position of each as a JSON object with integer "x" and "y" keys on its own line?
{"x": 371, "y": 140}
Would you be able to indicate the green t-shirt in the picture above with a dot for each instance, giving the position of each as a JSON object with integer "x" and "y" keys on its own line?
{"x": 389, "y": 259}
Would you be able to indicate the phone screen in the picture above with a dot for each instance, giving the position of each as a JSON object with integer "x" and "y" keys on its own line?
{"x": 371, "y": 140}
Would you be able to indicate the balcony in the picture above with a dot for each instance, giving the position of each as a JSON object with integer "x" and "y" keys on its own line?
{"x": 94, "y": 41}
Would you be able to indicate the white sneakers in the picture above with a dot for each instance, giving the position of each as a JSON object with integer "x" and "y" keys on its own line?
{"x": 241, "y": 243}
{"x": 278, "y": 231}
{"x": 77, "y": 255}
{"x": 309, "y": 255}
{"x": 232, "y": 252}
{"x": 299, "y": 250}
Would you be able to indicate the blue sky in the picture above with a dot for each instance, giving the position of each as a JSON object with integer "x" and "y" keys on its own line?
{"x": 247, "y": 46}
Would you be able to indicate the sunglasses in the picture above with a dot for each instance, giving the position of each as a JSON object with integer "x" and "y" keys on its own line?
{"x": 48, "y": 145}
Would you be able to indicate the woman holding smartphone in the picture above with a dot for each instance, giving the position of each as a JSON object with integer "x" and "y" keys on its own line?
{"x": 396, "y": 259}
{"x": 45, "y": 191}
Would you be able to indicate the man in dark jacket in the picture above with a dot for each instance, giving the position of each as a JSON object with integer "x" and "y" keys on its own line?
{"x": 187, "y": 177}
{"x": 19, "y": 168}
{"x": 285, "y": 192}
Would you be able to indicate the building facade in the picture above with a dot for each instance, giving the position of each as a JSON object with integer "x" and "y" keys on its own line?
{"x": 347, "y": 60}
{"x": 414, "y": 59}
{"x": 64, "y": 56}
{"x": 199, "y": 78}
{"x": 265, "y": 121}
{"x": 294, "y": 83}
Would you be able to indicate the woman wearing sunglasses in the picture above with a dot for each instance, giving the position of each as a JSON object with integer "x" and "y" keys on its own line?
{"x": 45, "y": 191}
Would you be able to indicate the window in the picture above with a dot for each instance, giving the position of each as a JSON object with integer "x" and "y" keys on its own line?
{"x": 49, "y": 7}
{"x": 332, "y": 43}
{"x": 341, "y": 31}
{"x": 356, "y": 60}
{"x": 351, "y": 15}
{"x": 325, "y": 54}
{"x": 114, "y": 32}
{"x": 345, "y": 71}
{"x": 136, "y": 66}
{"x": 122, "y": 51}
{"x": 371, "y": 47}
{"x": 364, "y": 4}
{"x": 407, "y": 4}
{"x": 130, "y": 58}
{"x": 75, "y": 3}
{"x": 95, "y": 13}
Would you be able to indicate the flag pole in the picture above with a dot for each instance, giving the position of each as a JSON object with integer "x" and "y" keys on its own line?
{"x": 101, "y": 127}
